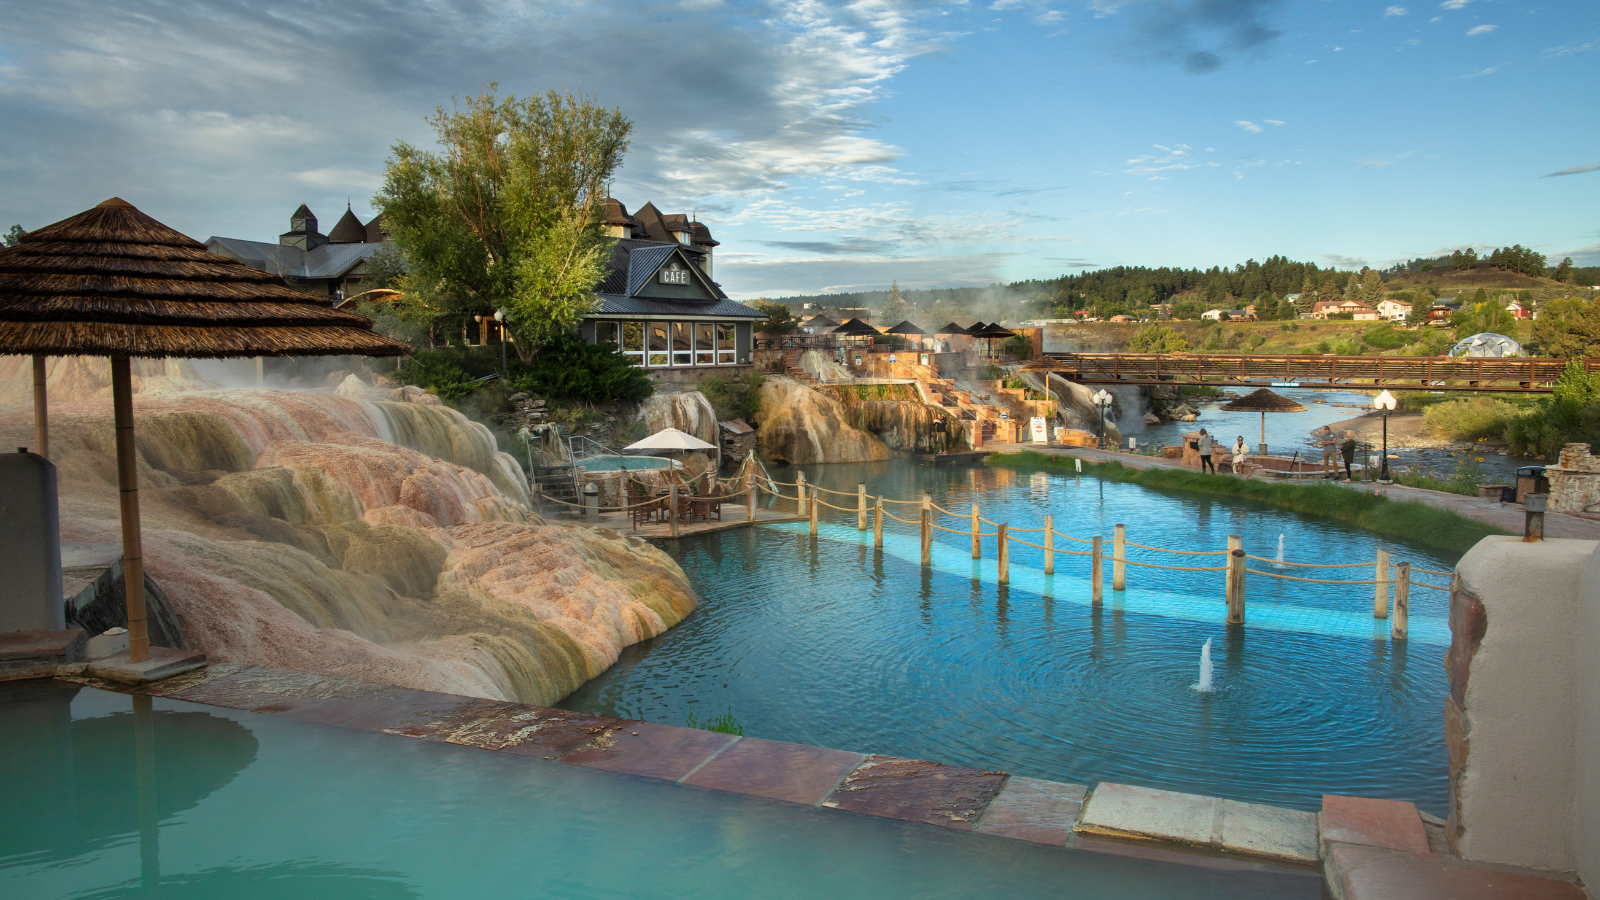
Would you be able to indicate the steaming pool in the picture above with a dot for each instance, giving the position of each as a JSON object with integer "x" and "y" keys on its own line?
{"x": 243, "y": 805}
{"x": 831, "y": 642}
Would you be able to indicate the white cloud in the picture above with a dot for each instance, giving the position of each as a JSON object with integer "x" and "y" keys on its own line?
{"x": 1481, "y": 29}
{"x": 1170, "y": 159}
{"x": 1375, "y": 164}
{"x": 1249, "y": 126}
{"x": 1396, "y": 11}
{"x": 1454, "y": 4}
{"x": 1436, "y": 19}
{"x": 1049, "y": 17}
{"x": 1273, "y": 121}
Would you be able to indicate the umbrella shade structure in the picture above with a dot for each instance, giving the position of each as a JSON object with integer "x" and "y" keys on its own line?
{"x": 856, "y": 328}
{"x": 953, "y": 328}
{"x": 671, "y": 439}
{"x": 112, "y": 281}
{"x": 1046, "y": 364}
{"x": 821, "y": 321}
{"x": 906, "y": 328}
{"x": 993, "y": 330}
{"x": 1263, "y": 401}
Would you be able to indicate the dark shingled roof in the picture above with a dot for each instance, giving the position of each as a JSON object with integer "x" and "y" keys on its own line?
{"x": 111, "y": 281}
{"x": 375, "y": 229}
{"x": 642, "y": 308}
{"x": 348, "y": 230}
{"x": 616, "y": 213}
{"x": 702, "y": 235}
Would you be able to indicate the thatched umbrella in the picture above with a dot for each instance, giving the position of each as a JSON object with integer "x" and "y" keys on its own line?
{"x": 114, "y": 282}
{"x": 1263, "y": 401}
{"x": 953, "y": 328}
{"x": 990, "y": 333}
{"x": 907, "y": 329}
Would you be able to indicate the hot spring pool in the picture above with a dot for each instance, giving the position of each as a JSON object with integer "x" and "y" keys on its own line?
{"x": 612, "y": 463}
{"x": 243, "y": 805}
{"x": 834, "y": 643}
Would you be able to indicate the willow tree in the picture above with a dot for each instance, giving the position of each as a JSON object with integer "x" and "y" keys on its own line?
{"x": 506, "y": 215}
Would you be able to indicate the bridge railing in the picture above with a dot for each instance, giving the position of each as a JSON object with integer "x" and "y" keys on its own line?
{"x": 1428, "y": 372}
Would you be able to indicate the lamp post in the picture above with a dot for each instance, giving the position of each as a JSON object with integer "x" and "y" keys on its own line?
{"x": 500, "y": 320}
{"x": 1384, "y": 403}
{"x": 1102, "y": 400}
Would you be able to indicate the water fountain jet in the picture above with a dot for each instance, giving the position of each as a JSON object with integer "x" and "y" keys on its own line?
{"x": 1204, "y": 685}
{"x": 1279, "y": 563}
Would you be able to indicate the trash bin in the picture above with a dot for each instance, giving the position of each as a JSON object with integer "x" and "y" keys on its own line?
{"x": 1531, "y": 480}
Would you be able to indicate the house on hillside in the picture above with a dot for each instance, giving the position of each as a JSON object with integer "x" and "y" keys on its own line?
{"x": 1232, "y": 315}
{"x": 1441, "y": 311}
{"x": 1355, "y": 308}
{"x": 1393, "y": 310}
{"x": 1519, "y": 310}
{"x": 332, "y": 264}
{"x": 659, "y": 304}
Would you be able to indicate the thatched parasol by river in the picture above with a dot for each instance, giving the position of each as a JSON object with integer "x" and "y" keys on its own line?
{"x": 1263, "y": 401}
{"x": 111, "y": 281}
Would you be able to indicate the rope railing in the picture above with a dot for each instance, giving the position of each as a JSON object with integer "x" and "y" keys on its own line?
{"x": 1134, "y": 562}
{"x": 1285, "y": 562}
{"x": 1433, "y": 586}
{"x": 1179, "y": 552}
{"x": 1314, "y": 580}
{"x": 651, "y": 502}
{"x": 1432, "y": 572}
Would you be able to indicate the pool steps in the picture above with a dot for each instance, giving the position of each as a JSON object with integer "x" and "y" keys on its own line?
{"x": 1366, "y": 848}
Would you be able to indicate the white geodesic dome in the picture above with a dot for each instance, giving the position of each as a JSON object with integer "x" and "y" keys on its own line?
{"x": 1487, "y": 344}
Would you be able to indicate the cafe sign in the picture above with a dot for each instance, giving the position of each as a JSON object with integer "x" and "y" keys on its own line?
{"x": 673, "y": 273}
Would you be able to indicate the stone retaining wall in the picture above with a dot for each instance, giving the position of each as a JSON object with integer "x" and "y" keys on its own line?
{"x": 1575, "y": 483}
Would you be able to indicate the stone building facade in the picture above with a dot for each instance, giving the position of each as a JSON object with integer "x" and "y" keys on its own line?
{"x": 1575, "y": 483}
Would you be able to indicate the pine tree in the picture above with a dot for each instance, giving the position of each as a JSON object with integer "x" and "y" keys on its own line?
{"x": 1371, "y": 287}
{"x": 1564, "y": 272}
{"x": 893, "y": 309}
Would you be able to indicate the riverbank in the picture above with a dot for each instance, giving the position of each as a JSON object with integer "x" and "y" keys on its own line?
{"x": 1436, "y": 525}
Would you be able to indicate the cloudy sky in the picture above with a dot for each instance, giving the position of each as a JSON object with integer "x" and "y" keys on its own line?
{"x": 834, "y": 146}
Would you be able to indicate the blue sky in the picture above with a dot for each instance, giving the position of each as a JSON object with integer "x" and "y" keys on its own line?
{"x": 837, "y": 146}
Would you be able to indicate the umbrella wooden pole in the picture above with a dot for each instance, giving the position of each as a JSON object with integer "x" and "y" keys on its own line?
{"x": 128, "y": 483}
{"x": 41, "y": 411}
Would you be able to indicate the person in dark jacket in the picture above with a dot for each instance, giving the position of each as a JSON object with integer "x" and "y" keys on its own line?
{"x": 1205, "y": 452}
{"x": 1348, "y": 451}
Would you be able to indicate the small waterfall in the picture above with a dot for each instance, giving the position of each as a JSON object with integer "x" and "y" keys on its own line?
{"x": 1204, "y": 685}
{"x": 1279, "y": 563}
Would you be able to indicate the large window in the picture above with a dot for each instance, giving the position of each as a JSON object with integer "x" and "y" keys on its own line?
{"x": 660, "y": 342}
{"x": 672, "y": 343}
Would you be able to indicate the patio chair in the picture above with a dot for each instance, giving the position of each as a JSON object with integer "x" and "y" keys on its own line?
{"x": 645, "y": 506}
{"x": 709, "y": 504}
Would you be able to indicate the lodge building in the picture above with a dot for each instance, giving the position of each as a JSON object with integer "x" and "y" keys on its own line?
{"x": 332, "y": 264}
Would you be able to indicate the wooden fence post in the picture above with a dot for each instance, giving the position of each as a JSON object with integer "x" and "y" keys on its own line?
{"x": 1236, "y": 587}
{"x": 800, "y": 502}
{"x": 1097, "y": 572}
{"x": 1380, "y": 592}
{"x": 750, "y": 499}
{"x": 811, "y": 505}
{"x": 1049, "y": 544}
{"x": 1402, "y": 601}
{"x": 927, "y": 538}
{"x": 877, "y": 522}
{"x": 1119, "y": 552}
{"x": 861, "y": 506}
{"x": 1234, "y": 543}
{"x": 977, "y": 527}
{"x": 672, "y": 508}
{"x": 1003, "y": 556}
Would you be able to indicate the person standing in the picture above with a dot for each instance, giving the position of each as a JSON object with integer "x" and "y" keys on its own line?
{"x": 1205, "y": 453}
{"x": 1324, "y": 436}
{"x": 1348, "y": 451}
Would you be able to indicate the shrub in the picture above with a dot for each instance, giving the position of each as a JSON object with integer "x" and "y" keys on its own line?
{"x": 1158, "y": 339}
{"x": 724, "y": 723}
{"x": 567, "y": 369}
{"x": 439, "y": 371}
{"x": 733, "y": 398}
{"x": 1018, "y": 346}
{"x": 1387, "y": 337}
{"x": 1469, "y": 420}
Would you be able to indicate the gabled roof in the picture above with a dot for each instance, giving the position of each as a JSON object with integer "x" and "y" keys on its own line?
{"x": 643, "y": 262}
{"x": 375, "y": 229}
{"x": 634, "y": 261}
{"x": 325, "y": 261}
{"x": 649, "y": 220}
{"x": 302, "y": 212}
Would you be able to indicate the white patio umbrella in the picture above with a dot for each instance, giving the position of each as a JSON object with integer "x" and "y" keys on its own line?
{"x": 671, "y": 439}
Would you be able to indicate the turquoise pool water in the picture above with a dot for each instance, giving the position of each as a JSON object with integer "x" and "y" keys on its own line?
{"x": 832, "y": 642}
{"x": 240, "y": 805}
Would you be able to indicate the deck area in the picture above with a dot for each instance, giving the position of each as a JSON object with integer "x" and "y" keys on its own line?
{"x": 732, "y": 517}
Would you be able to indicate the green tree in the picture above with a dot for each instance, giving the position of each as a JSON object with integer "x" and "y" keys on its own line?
{"x": 1481, "y": 316}
{"x": 1158, "y": 339}
{"x": 507, "y": 215}
{"x": 1564, "y": 273}
{"x": 10, "y": 238}
{"x": 893, "y": 309}
{"x": 1567, "y": 327}
{"x": 385, "y": 267}
{"x": 1371, "y": 287}
{"x": 779, "y": 319}
{"x": 1188, "y": 309}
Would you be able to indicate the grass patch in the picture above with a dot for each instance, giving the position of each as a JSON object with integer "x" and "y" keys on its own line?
{"x": 1470, "y": 419}
{"x": 724, "y": 723}
{"x": 1440, "y": 529}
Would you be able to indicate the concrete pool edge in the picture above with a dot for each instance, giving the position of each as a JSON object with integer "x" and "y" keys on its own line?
{"x": 979, "y": 801}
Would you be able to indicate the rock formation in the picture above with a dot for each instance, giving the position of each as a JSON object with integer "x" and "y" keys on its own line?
{"x": 800, "y": 425}
{"x": 384, "y": 539}
{"x": 895, "y": 415}
{"x": 687, "y": 411}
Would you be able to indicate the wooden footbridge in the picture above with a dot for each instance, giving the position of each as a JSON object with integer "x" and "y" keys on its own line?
{"x": 1435, "y": 373}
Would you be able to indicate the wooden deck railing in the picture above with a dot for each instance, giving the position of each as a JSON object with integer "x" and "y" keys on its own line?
{"x": 1440, "y": 373}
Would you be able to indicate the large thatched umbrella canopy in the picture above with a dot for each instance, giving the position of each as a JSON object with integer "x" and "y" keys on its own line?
{"x": 989, "y": 333}
{"x": 1263, "y": 401}
{"x": 855, "y": 328}
{"x": 114, "y": 282}
{"x": 953, "y": 328}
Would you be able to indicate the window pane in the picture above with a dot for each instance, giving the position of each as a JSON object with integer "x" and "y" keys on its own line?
{"x": 633, "y": 336}
{"x": 725, "y": 344}
{"x": 659, "y": 342}
{"x": 605, "y": 332}
{"x": 703, "y": 347}
{"x": 682, "y": 344}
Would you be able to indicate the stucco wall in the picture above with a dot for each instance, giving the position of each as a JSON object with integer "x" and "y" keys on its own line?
{"x": 1517, "y": 698}
{"x": 1586, "y": 795}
